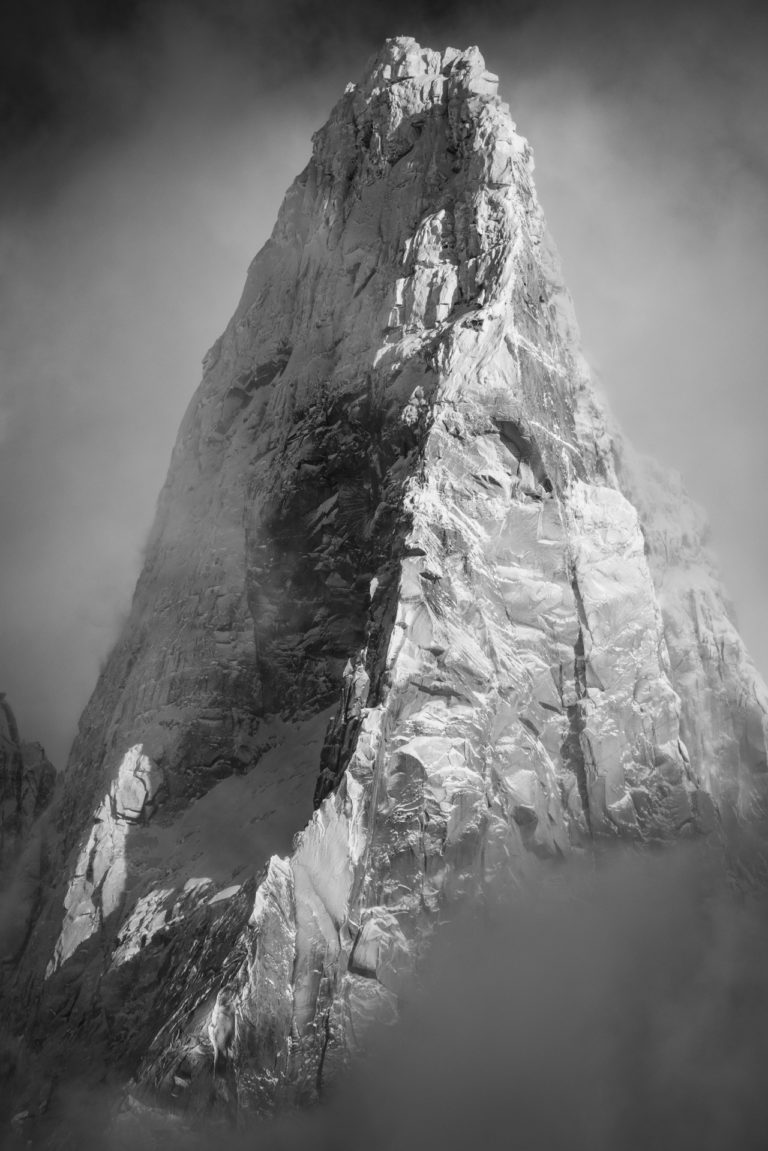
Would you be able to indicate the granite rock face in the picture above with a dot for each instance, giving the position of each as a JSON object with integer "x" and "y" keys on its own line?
{"x": 404, "y": 571}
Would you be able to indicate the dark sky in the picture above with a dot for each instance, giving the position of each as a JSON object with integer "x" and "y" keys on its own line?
{"x": 145, "y": 150}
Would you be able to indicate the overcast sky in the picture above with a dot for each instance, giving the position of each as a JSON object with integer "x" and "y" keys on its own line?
{"x": 146, "y": 148}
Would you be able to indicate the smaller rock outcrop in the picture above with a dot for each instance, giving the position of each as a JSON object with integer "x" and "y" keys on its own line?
{"x": 100, "y": 871}
{"x": 222, "y": 1028}
{"x": 27, "y": 778}
{"x": 27, "y": 781}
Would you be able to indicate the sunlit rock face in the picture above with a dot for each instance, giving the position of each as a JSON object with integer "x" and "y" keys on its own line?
{"x": 403, "y": 571}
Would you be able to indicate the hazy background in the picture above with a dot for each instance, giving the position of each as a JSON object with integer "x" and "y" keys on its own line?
{"x": 145, "y": 149}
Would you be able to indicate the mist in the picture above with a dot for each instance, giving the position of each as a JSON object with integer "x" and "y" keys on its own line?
{"x": 152, "y": 170}
{"x": 620, "y": 1005}
{"x": 615, "y": 1003}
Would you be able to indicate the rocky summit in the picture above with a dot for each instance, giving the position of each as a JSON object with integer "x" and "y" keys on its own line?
{"x": 414, "y": 620}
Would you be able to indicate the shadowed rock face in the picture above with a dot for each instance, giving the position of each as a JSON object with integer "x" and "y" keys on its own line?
{"x": 27, "y": 784}
{"x": 402, "y": 567}
{"x": 27, "y": 781}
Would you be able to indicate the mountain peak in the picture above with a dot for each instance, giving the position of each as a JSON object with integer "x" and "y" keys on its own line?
{"x": 404, "y": 572}
{"x": 403, "y": 58}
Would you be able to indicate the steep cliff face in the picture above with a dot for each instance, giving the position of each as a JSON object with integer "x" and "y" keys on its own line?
{"x": 404, "y": 569}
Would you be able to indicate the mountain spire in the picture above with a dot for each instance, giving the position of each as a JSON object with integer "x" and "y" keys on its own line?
{"x": 406, "y": 571}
